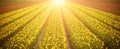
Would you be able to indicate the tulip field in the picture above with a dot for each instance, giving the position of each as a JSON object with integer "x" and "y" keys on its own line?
{"x": 59, "y": 26}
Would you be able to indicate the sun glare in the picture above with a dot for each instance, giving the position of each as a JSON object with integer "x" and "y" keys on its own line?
{"x": 59, "y": 2}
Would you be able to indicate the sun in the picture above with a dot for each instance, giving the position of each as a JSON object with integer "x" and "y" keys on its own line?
{"x": 59, "y": 2}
